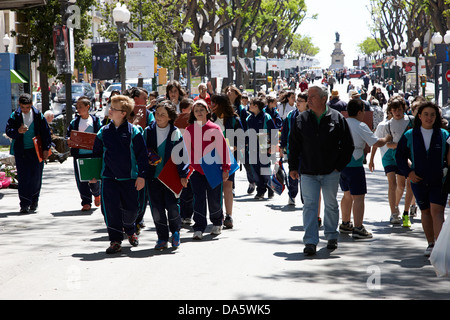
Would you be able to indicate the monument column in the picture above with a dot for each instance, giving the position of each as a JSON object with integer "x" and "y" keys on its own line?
{"x": 337, "y": 57}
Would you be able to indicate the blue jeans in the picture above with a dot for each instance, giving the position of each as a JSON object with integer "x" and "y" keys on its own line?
{"x": 311, "y": 185}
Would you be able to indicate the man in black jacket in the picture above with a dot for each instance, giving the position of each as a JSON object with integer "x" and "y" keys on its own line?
{"x": 320, "y": 146}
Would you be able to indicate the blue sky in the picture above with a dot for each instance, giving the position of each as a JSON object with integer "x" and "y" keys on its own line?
{"x": 351, "y": 18}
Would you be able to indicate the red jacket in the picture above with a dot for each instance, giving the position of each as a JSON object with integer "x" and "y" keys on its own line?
{"x": 303, "y": 86}
{"x": 211, "y": 137}
{"x": 207, "y": 99}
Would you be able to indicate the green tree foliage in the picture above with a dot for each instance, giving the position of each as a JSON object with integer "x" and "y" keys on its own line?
{"x": 303, "y": 45}
{"x": 369, "y": 46}
{"x": 268, "y": 22}
{"x": 39, "y": 23}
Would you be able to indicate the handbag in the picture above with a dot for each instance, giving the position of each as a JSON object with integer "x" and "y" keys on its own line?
{"x": 278, "y": 178}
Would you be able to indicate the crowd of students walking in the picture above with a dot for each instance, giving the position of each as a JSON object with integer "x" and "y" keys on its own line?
{"x": 324, "y": 151}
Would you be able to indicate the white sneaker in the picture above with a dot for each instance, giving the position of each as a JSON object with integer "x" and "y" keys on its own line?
{"x": 186, "y": 221}
{"x": 198, "y": 235}
{"x": 291, "y": 202}
{"x": 429, "y": 249}
{"x": 216, "y": 230}
{"x": 395, "y": 219}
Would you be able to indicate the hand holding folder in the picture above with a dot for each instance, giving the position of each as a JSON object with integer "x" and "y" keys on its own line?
{"x": 41, "y": 154}
{"x": 81, "y": 140}
{"x": 171, "y": 179}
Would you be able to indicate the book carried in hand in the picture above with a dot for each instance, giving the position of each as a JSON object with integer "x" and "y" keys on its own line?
{"x": 38, "y": 147}
{"x": 81, "y": 140}
{"x": 212, "y": 167}
{"x": 171, "y": 179}
{"x": 89, "y": 168}
{"x": 140, "y": 116}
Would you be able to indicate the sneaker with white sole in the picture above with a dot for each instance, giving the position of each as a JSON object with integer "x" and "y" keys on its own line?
{"x": 428, "y": 250}
{"x": 413, "y": 211}
{"x": 186, "y": 221}
{"x": 291, "y": 202}
{"x": 346, "y": 227}
{"x": 198, "y": 235}
{"x": 361, "y": 233}
{"x": 216, "y": 230}
{"x": 395, "y": 219}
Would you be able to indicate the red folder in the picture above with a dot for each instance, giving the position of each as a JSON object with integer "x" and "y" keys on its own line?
{"x": 81, "y": 140}
{"x": 38, "y": 147}
{"x": 182, "y": 121}
{"x": 140, "y": 116}
{"x": 170, "y": 178}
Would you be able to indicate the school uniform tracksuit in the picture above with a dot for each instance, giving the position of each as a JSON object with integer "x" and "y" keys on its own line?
{"x": 161, "y": 198}
{"x": 29, "y": 169}
{"x": 124, "y": 160}
{"x": 202, "y": 191}
{"x": 262, "y": 121}
{"x": 86, "y": 189}
{"x": 427, "y": 164}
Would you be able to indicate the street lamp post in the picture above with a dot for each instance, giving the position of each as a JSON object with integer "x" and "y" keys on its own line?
{"x": 188, "y": 37}
{"x": 437, "y": 40}
{"x": 389, "y": 51}
{"x": 121, "y": 17}
{"x": 416, "y": 45}
{"x": 403, "y": 47}
{"x": 254, "y": 47}
{"x": 396, "y": 48}
{"x": 275, "y": 53}
{"x": 266, "y": 52}
{"x": 235, "y": 45}
{"x": 207, "y": 39}
{"x": 68, "y": 75}
{"x": 6, "y": 42}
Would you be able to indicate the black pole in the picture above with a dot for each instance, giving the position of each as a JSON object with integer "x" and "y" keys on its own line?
{"x": 254, "y": 72}
{"x": 417, "y": 71}
{"x": 68, "y": 74}
{"x": 188, "y": 68}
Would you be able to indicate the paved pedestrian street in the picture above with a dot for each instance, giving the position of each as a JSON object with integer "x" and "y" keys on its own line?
{"x": 59, "y": 253}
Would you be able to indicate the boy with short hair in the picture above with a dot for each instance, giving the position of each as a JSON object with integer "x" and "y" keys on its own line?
{"x": 353, "y": 177}
{"x": 23, "y": 125}
{"x": 125, "y": 166}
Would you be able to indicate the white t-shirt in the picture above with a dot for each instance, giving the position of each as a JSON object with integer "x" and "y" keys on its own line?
{"x": 28, "y": 118}
{"x": 396, "y": 128}
{"x": 379, "y": 133}
{"x": 161, "y": 134}
{"x": 361, "y": 134}
{"x": 220, "y": 123}
{"x": 85, "y": 123}
{"x": 426, "y": 134}
{"x": 284, "y": 109}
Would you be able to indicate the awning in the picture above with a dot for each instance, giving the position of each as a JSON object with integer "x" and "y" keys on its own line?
{"x": 20, "y": 4}
{"x": 16, "y": 77}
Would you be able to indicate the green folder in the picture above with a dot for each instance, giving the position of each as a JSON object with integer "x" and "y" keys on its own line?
{"x": 89, "y": 168}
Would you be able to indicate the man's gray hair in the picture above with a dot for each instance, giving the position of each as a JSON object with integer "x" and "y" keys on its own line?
{"x": 323, "y": 91}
